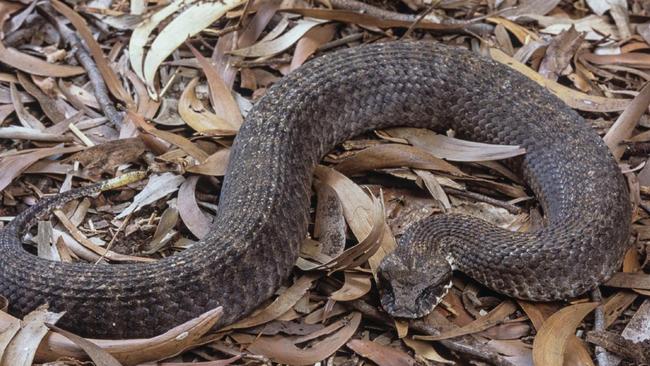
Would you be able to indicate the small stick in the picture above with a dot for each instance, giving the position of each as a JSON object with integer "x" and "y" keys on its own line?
{"x": 483, "y": 198}
{"x": 602, "y": 357}
{"x": 86, "y": 61}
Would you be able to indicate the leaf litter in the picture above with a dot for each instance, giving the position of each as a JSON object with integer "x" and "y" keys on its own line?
{"x": 208, "y": 58}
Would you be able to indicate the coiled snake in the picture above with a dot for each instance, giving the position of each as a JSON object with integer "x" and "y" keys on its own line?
{"x": 264, "y": 205}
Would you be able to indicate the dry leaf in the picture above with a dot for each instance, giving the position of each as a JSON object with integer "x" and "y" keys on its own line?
{"x": 394, "y": 156}
{"x": 425, "y": 350}
{"x": 360, "y": 212}
{"x": 355, "y": 286}
{"x": 453, "y": 149}
{"x": 22, "y": 348}
{"x": 270, "y": 48}
{"x": 108, "y": 75}
{"x": 195, "y": 220}
{"x": 572, "y": 98}
{"x": 222, "y": 100}
{"x": 626, "y": 122}
{"x": 280, "y": 305}
{"x": 310, "y": 42}
{"x": 214, "y": 164}
{"x": 381, "y": 355}
{"x": 193, "y": 112}
{"x": 282, "y": 350}
{"x": 551, "y": 339}
{"x": 494, "y": 317}
{"x": 158, "y": 187}
{"x": 98, "y": 355}
{"x": 638, "y": 280}
{"x": 12, "y": 166}
{"x": 191, "y": 21}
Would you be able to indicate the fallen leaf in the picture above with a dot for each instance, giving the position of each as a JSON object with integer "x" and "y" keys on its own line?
{"x": 494, "y": 317}
{"x": 355, "y": 285}
{"x": 108, "y": 75}
{"x": 453, "y": 149}
{"x": 394, "y": 156}
{"x": 551, "y": 340}
{"x": 158, "y": 187}
{"x": 360, "y": 212}
{"x": 380, "y": 354}
{"x": 12, "y": 166}
{"x": 215, "y": 164}
{"x": 280, "y": 305}
{"x": 22, "y": 348}
{"x": 572, "y": 98}
{"x": 425, "y": 350}
{"x": 222, "y": 100}
{"x": 195, "y": 220}
{"x": 98, "y": 355}
{"x": 282, "y": 350}
{"x": 309, "y": 43}
{"x": 270, "y": 48}
{"x": 627, "y": 121}
{"x": 192, "y": 20}
{"x": 193, "y": 112}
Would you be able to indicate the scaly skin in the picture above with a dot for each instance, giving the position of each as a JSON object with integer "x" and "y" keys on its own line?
{"x": 263, "y": 212}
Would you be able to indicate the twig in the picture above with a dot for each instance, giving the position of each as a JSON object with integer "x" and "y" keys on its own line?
{"x": 483, "y": 198}
{"x": 83, "y": 56}
{"x": 380, "y": 13}
{"x": 602, "y": 357}
{"x": 256, "y": 63}
{"x": 341, "y": 41}
{"x": 419, "y": 19}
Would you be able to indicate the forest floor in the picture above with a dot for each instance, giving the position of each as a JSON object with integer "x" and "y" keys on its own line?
{"x": 93, "y": 90}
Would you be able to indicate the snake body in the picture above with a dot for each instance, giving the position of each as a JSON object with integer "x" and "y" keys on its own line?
{"x": 263, "y": 212}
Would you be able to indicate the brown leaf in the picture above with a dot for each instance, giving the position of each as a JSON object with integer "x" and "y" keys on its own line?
{"x": 551, "y": 340}
{"x": 26, "y": 118}
{"x": 223, "y": 102}
{"x": 282, "y": 350}
{"x": 215, "y": 164}
{"x": 355, "y": 286}
{"x": 627, "y": 121}
{"x": 394, "y": 156}
{"x": 48, "y": 104}
{"x": 195, "y": 220}
{"x": 494, "y": 317}
{"x": 361, "y": 213}
{"x": 22, "y": 348}
{"x": 12, "y": 166}
{"x": 354, "y": 17}
{"x": 280, "y": 305}
{"x": 132, "y": 351}
{"x": 453, "y": 149}
{"x": 193, "y": 112}
{"x": 638, "y": 280}
{"x": 310, "y": 42}
{"x": 573, "y": 98}
{"x": 560, "y": 52}
{"x": 381, "y": 355}
{"x": 98, "y": 355}
{"x": 425, "y": 350}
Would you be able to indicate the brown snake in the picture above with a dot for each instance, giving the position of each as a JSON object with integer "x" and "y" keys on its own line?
{"x": 264, "y": 206}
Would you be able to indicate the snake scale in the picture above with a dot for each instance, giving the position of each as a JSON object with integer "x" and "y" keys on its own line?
{"x": 263, "y": 212}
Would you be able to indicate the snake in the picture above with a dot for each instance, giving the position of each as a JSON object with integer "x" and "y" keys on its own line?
{"x": 263, "y": 212}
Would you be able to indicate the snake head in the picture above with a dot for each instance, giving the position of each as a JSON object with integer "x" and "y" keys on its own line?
{"x": 412, "y": 286}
